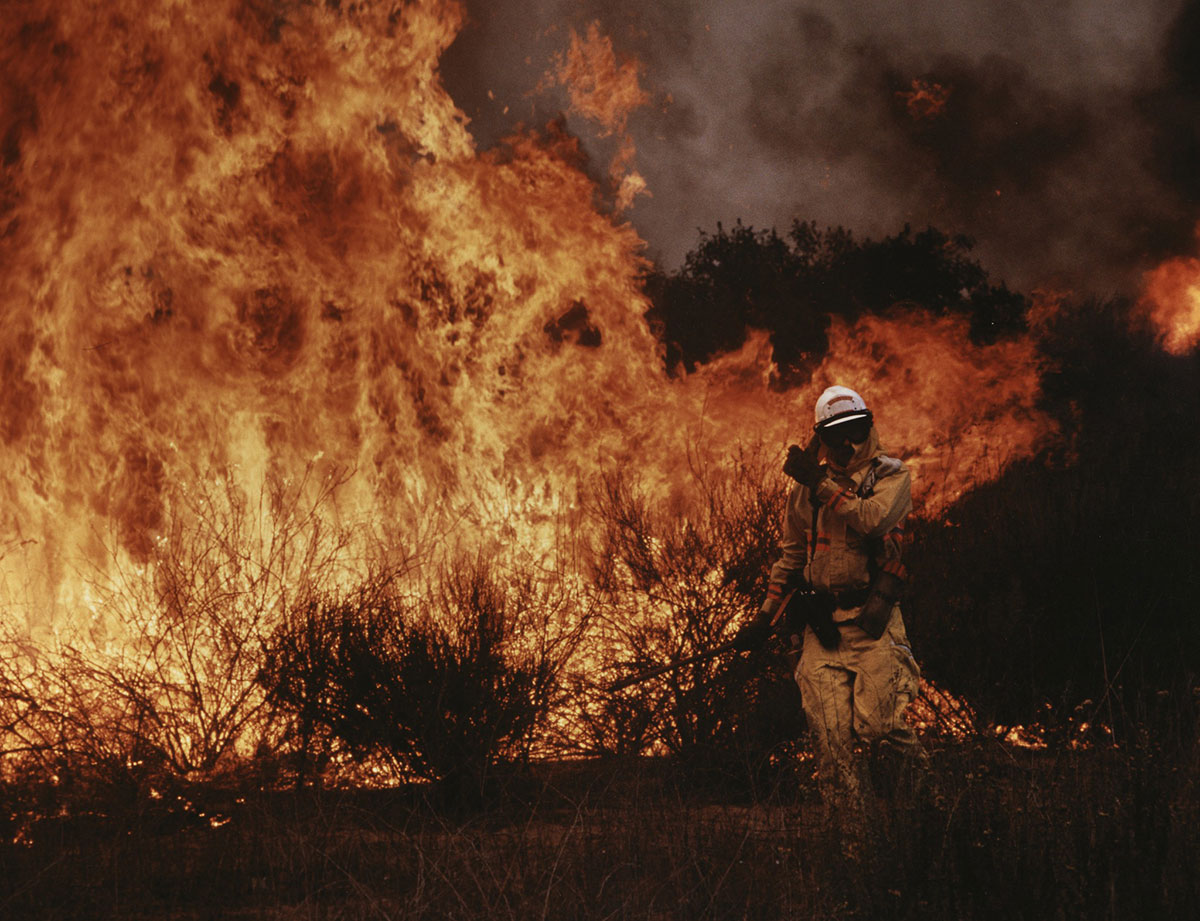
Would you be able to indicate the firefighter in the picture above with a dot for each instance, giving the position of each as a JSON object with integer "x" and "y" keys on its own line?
{"x": 842, "y": 542}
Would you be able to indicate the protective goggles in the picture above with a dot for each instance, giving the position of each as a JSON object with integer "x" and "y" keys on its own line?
{"x": 852, "y": 428}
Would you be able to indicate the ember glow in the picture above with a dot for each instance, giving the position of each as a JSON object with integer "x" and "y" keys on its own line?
{"x": 926, "y": 99}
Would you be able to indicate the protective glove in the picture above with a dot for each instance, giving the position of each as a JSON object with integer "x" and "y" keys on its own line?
{"x": 874, "y": 616}
{"x": 753, "y": 635}
{"x": 877, "y": 609}
{"x": 802, "y": 466}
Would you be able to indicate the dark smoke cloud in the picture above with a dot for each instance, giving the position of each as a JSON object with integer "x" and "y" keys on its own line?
{"x": 1067, "y": 145}
{"x": 1173, "y": 108}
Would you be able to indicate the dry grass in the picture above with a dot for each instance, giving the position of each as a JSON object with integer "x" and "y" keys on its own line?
{"x": 996, "y": 833}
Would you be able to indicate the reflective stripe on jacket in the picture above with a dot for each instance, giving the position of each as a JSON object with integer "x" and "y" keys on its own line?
{"x": 869, "y": 499}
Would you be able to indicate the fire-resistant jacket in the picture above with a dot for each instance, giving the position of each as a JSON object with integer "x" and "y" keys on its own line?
{"x": 860, "y": 513}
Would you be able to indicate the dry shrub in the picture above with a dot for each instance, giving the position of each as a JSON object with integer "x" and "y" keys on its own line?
{"x": 449, "y": 684}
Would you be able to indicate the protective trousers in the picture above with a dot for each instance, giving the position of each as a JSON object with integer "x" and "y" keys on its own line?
{"x": 857, "y": 692}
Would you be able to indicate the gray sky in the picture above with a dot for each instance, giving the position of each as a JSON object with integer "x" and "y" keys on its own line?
{"x": 1066, "y": 146}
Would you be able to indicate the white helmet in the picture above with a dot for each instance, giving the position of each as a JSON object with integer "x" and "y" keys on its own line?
{"x": 838, "y": 405}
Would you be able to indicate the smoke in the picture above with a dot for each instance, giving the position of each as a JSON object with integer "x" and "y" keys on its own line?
{"x": 1173, "y": 108}
{"x": 1065, "y": 143}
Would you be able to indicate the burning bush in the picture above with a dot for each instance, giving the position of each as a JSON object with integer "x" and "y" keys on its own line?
{"x": 678, "y": 578}
{"x": 162, "y": 684}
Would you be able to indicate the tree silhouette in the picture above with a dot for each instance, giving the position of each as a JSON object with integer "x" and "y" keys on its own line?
{"x": 740, "y": 279}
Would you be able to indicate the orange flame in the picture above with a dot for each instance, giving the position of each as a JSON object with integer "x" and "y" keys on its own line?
{"x": 260, "y": 246}
{"x": 1047, "y": 304}
{"x": 599, "y": 88}
{"x": 1171, "y": 301}
{"x": 605, "y": 92}
{"x": 958, "y": 413}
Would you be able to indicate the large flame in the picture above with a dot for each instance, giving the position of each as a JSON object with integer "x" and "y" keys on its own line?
{"x": 256, "y": 241}
{"x": 959, "y": 413}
